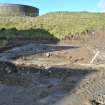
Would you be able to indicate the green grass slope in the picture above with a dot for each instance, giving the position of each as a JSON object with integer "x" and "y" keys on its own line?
{"x": 57, "y": 24}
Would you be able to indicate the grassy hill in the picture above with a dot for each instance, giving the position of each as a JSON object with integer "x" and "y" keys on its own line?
{"x": 58, "y": 25}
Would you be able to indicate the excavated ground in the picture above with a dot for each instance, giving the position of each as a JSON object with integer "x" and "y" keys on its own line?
{"x": 54, "y": 74}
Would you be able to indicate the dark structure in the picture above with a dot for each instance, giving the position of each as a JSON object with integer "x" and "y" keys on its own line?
{"x": 18, "y": 10}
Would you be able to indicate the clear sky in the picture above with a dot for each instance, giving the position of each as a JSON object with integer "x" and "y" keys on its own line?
{"x": 46, "y": 6}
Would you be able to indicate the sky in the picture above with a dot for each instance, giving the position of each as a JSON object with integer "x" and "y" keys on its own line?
{"x": 46, "y": 6}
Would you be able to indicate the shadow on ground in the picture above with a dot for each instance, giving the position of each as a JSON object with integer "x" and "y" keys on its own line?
{"x": 30, "y": 86}
{"x": 32, "y": 49}
{"x": 12, "y": 37}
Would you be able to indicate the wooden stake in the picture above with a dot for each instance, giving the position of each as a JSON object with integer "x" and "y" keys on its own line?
{"x": 93, "y": 59}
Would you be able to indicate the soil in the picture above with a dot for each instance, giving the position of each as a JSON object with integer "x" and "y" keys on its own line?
{"x": 54, "y": 74}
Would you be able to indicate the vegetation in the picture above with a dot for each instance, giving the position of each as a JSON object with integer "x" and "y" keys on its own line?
{"x": 58, "y": 25}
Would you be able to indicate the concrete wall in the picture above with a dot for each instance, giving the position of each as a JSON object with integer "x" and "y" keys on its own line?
{"x": 18, "y": 10}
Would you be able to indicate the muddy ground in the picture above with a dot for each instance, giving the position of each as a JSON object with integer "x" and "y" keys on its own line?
{"x": 54, "y": 74}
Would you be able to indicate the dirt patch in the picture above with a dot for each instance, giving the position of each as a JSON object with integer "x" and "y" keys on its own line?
{"x": 54, "y": 74}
